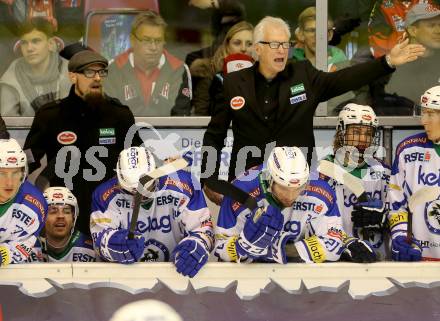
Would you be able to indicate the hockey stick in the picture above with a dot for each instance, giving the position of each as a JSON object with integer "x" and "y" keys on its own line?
{"x": 164, "y": 170}
{"x": 228, "y": 189}
{"x": 343, "y": 177}
{"x": 422, "y": 196}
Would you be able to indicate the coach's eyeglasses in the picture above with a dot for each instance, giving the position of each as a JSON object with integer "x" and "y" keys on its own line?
{"x": 277, "y": 44}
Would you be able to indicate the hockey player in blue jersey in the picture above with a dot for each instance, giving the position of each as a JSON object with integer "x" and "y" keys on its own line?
{"x": 415, "y": 167}
{"x": 61, "y": 243}
{"x": 22, "y": 206}
{"x": 174, "y": 221}
{"x": 355, "y": 145}
{"x": 297, "y": 220}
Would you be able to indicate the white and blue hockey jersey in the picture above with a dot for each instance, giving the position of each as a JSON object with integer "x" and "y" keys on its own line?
{"x": 375, "y": 179}
{"x": 176, "y": 211}
{"x": 79, "y": 249}
{"x": 313, "y": 220}
{"x": 416, "y": 165}
{"x": 21, "y": 220}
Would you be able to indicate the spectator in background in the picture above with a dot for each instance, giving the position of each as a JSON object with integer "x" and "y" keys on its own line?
{"x": 307, "y": 36}
{"x": 39, "y": 77}
{"x": 147, "y": 78}
{"x": 237, "y": 40}
{"x": 336, "y": 59}
{"x": 387, "y": 24}
{"x": 61, "y": 243}
{"x": 226, "y": 13}
{"x": 423, "y": 27}
{"x": 3, "y": 131}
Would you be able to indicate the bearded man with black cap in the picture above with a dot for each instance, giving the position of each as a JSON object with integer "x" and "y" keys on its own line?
{"x": 81, "y": 135}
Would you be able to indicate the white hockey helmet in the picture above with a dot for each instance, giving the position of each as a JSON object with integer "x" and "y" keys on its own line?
{"x": 146, "y": 310}
{"x": 288, "y": 167}
{"x": 134, "y": 162}
{"x": 62, "y": 196}
{"x": 12, "y": 156}
{"x": 431, "y": 98}
{"x": 354, "y": 114}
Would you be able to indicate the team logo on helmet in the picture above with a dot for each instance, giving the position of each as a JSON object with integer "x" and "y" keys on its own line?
{"x": 12, "y": 160}
{"x": 57, "y": 195}
{"x": 366, "y": 117}
{"x": 237, "y": 102}
{"x": 66, "y": 138}
{"x": 424, "y": 99}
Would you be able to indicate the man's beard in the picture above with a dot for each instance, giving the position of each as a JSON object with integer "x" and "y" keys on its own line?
{"x": 94, "y": 99}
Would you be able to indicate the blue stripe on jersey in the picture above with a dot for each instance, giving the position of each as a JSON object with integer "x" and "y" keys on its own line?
{"x": 32, "y": 197}
{"x": 104, "y": 193}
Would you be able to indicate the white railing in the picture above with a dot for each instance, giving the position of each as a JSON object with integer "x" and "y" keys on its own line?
{"x": 364, "y": 280}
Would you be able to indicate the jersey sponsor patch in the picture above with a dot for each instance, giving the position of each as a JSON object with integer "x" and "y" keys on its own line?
{"x": 297, "y": 89}
{"x": 37, "y": 203}
{"x": 398, "y": 218}
{"x": 320, "y": 191}
{"x": 180, "y": 185}
{"x": 4, "y": 255}
{"x": 298, "y": 98}
{"x": 106, "y": 132}
{"x": 315, "y": 249}
{"x": 66, "y": 138}
{"x": 107, "y": 140}
{"x": 411, "y": 141}
{"x": 108, "y": 192}
{"x": 237, "y": 102}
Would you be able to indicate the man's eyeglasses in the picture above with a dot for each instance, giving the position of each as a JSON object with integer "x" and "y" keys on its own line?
{"x": 277, "y": 44}
{"x": 91, "y": 73}
{"x": 149, "y": 41}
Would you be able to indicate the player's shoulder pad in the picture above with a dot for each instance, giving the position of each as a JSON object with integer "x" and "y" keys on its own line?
{"x": 84, "y": 241}
{"x": 106, "y": 191}
{"x": 180, "y": 181}
{"x": 420, "y": 140}
{"x": 32, "y": 197}
{"x": 320, "y": 189}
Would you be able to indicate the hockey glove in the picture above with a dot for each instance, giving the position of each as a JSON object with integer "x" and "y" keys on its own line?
{"x": 189, "y": 256}
{"x": 281, "y": 250}
{"x": 358, "y": 251}
{"x": 119, "y": 248}
{"x": 368, "y": 214}
{"x": 402, "y": 250}
{"x": 259, "y": 232}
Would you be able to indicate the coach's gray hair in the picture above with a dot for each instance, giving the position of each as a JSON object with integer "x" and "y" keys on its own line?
{"x": 264, "y": 23}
